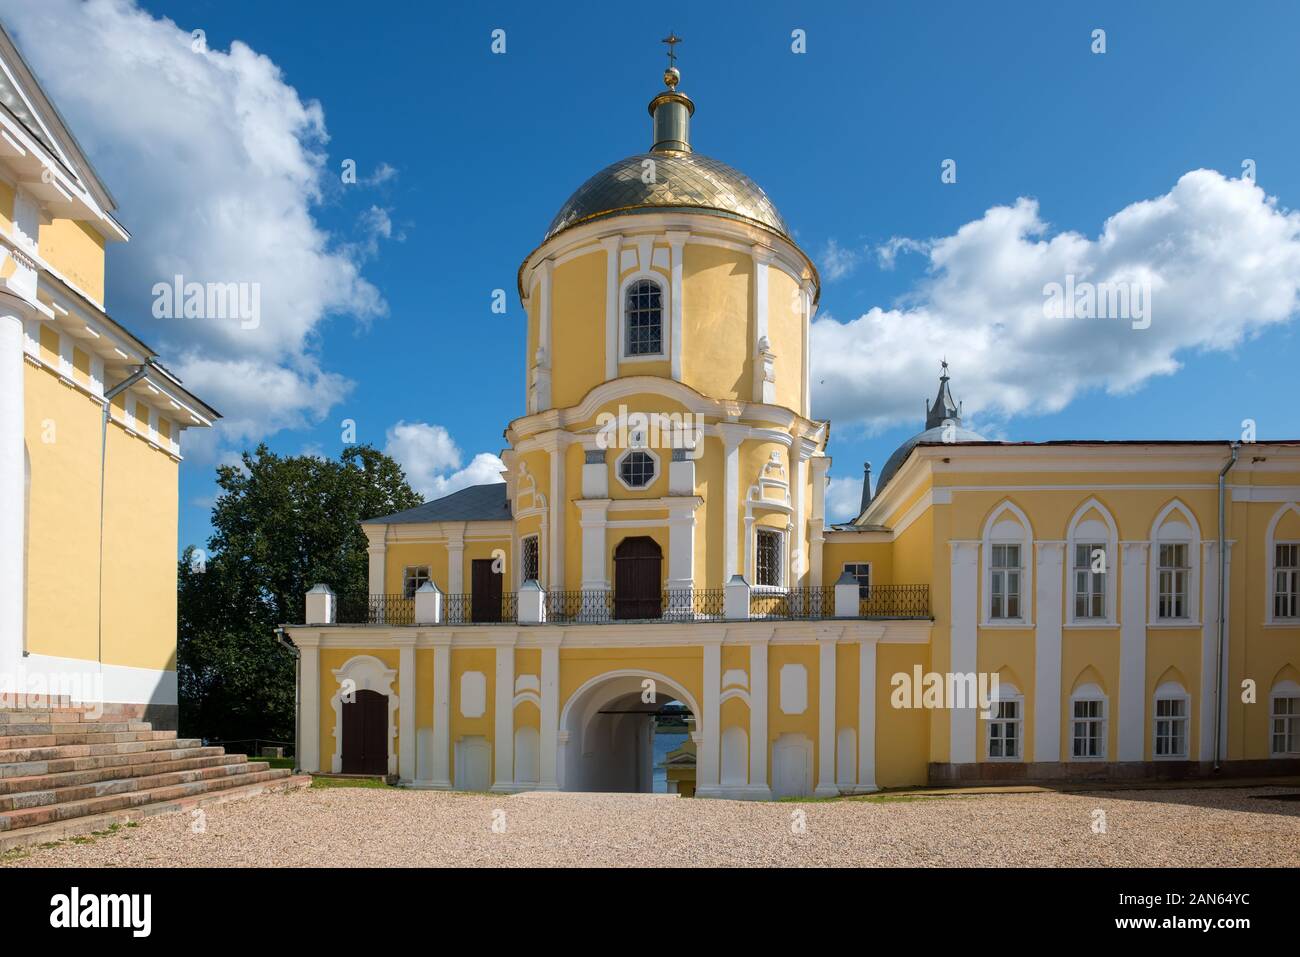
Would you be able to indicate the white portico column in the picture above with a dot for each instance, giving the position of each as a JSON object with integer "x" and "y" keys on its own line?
{"x": 732, "y": 436}
{"x": 758, "y": 783}
{"x": 13, "y": 497}
{"x": 406, "y": 705}
{"x": 826, "y": 716}
{"x": 441, "y": 764}
{"x": 550, "y": 735}
{"x": 556, "y": 444}
{"x": 676, "y": 243}
{"x": 817, "y": 519}
{"x": 867, "y": 714}
{"x": 706, "y": 783}
{"x": 681, "y": 540}
{"x": 1131, "y": 735}
{"x": 1047, "y": 651}
{"x": 504, "y": 729}
{"x": 308, "y": 701}
{"x": 963, "y": 639}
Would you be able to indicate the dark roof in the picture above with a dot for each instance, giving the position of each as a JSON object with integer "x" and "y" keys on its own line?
{"x": 477, "y": 503}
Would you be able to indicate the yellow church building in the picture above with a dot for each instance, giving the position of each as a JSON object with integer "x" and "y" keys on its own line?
{"x": 90, "y": 436}
{"x": 998, "y": 611}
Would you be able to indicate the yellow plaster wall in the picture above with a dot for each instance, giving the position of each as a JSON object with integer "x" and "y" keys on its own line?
{"x": 76, "y": 251}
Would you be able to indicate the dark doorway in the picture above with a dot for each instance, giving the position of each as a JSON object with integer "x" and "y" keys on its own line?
{"x": 485, "y": 590}
{"x": 637, "y": 578}
{"x": 365, "y": 734}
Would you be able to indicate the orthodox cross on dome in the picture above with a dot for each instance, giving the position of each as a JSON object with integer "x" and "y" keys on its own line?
{"x": 672, "y": 40}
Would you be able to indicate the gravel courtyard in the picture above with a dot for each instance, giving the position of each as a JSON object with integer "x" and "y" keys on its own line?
{"x": 378, "y": 827}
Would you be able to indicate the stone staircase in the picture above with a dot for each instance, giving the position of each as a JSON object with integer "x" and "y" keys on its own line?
{"x": 64, "y": 773}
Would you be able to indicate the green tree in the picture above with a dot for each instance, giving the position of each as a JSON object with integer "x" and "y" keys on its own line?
{"x": 280, "y": 525}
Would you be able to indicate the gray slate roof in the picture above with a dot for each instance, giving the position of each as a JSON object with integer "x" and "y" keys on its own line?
{"x": 477, "y": 503}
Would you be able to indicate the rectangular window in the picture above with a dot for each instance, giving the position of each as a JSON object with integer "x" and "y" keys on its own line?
{"x": 767, "y": 558}
{"x": 1004, "y": 582}
{"x": 1286, "y": 587}
{"x": 643, "y": 319}
{"x": 861, "y": 571}
{"x": 1004, "y": 730}
{"x": 528, "y": 553}
{"x": 413, "y": 576}
{"x": 1173, "y": 575}
{"x": 1171, "y": 728}
{"x": 1286, "y": 725}
{"x": 1089, "y": 731}
{"x": 1090, "y": 563}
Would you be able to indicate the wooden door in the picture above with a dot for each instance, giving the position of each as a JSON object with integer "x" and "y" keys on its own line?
{"x": 638, "y": 579}
{"x": 485, "y": 591}
{"x": 365, "y": 734}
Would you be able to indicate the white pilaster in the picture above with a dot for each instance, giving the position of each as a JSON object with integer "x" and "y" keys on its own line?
{"x": 309, "y": 702}
{"x": 612, "y": 246}
{"x": 593, "y": 518}
{"x": 681, "y": 540}
{"x": 550, "y": 714}
{"x": 441, "y": 764}
{"x": 406, "y": 707}
{"x": 867, "y": 715}
{"x": 806, "y": 300}
{"x": 676, "y": 245}
{"x": 556, "y": 447}
{"x": 820, "y": 464}
{"x": 706, "y": 782}
{"x": 758, "y": 782}
{"x": 1131, "y": 736}
{"x": 1209, "y": 647}
{"x": 732, "y": 436}
{"x": 1047, "y": 651}
{"x": 762, "y": 256}
{"x": 376, "y": 552}
{"x": 826, "y": 717}
{"x": 13, "y": 495}
{"x": 504, "y": 730}
{"x": 963, "y": 639}
{"x": 456, "y": 560}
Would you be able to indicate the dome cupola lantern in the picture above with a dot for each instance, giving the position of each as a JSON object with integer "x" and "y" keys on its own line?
{"x": 671, "y": 110}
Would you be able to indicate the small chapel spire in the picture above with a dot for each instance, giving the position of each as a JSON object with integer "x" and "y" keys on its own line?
{"x": 943, "y": 408}
{"x": 866, "y": 487}
{"x": 671, "y": 110}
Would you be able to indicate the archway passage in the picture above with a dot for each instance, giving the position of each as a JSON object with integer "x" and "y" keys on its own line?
{"x": 625, "y": 736}
{"x": 365, "y": 734}
{"x": 638, "y": 577}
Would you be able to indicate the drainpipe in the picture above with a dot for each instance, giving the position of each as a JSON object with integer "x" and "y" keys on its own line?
{"x": 1223, "y": 566}
{"x": 109, "y": 396}
{"x": 297, "y": 685}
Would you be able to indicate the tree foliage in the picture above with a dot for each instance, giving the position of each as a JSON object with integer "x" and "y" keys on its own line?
{"x": 280, "y": 525}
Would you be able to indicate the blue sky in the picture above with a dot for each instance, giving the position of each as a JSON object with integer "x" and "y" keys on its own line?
{"x": 465, "y": 156}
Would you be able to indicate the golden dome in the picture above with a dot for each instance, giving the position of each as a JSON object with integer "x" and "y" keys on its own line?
{"x": 680, "y": 180}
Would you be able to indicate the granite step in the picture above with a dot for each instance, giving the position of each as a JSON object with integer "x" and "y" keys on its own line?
{"x": 199, "y": 758}
{"x": 25, "y": 800}
{"x": 18, "y": 741}
{"x": 63, "y": 726}
{"x": 82, "y": 757}
{"x": 40, "y": 834}
{"x": 52, "y": 813}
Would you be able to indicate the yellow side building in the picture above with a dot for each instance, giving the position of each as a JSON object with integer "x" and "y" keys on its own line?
{"x": 998, "y": 611}
{"x": 90, "y": 435}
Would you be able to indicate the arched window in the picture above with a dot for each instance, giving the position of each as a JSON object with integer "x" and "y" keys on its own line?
{"x": 1006, "y": 739}
{"x": 1172, "y": 719}
{"x": 1283, "y": 556}
{"x": 1007, "y": 556}
{"x": 1093, "y": 549}
{"x": 1284, "y": 719}
{"x": 1175, "y": 566}
{"x": 1088, "y": 723}
{"x": 643, "y": 319}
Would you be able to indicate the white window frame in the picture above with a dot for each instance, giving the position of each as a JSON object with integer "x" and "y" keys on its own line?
{"x": 1092, "y": 532}
{"x": 1176, "y": 525}
{"x": 407, "y": 576}
{"x": 867, "y": 565}
{"x": 1007, "y": 694}
{"x": 1271, "y": 541}
{"x": 1090, "y": 693}
{"x": 654, "y": 457}
{"x": 1171, "y": 691}
{"x": 1008, "y": 525}
{"x": 782, "y": 563}
{"x": 1287, "y": 690}
{"x": 523, "y": 565}
{"x": 665, "y": 317}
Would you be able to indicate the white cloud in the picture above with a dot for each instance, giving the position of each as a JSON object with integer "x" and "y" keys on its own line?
{"x": 887, "y": 252}
{"x": 218, "y": 165}
{"x": 382, "y": 174}
{"x": 1221, "y": 257}
{"x": 837, "y": 262}
{"x": 843, "y": 498}
{"x": 432, "y": 461}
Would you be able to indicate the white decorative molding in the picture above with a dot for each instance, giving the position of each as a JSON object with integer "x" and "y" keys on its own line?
{"x": 367, "y": 673}
{"x": 473, "y": 694}
{"x": 794, "y": 689}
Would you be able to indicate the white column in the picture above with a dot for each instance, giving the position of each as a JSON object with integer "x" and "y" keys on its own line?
{"x": 706, "y": 783}
{"x": 13, "y": 497}
{"x": 758, "y": 782}
{"x": 799, "y": 456}
{"x": 681, "y": 541}
{"x": 612, "y": 245}
{"x": 309, "y": 701}
{"x": 556, "y": 447}
{"x": 377, "y": 552}
{"x": 1047, "y": 652}
{"x": 676, "y": 244}
{"x": 867, "y": 715}
{"x": 456, "y": 560}
{"x": 826, "y": 717}
{"x": 406, "y": 708}
{"x": 817, "y": 519}
{"x": 761, "y": 257}
{"x": 441, "y": 765}
{"x": 504, "y": 730}
{"x": 732, "y": 436}
{"x": 593, "y": 518}
{"x": 1131, "y": 736}
{"x": 550, "y": 715}
{"x": 963, "y": 638}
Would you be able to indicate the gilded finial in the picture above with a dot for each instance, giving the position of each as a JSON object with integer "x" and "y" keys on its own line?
{"x": 672, "y": 76}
